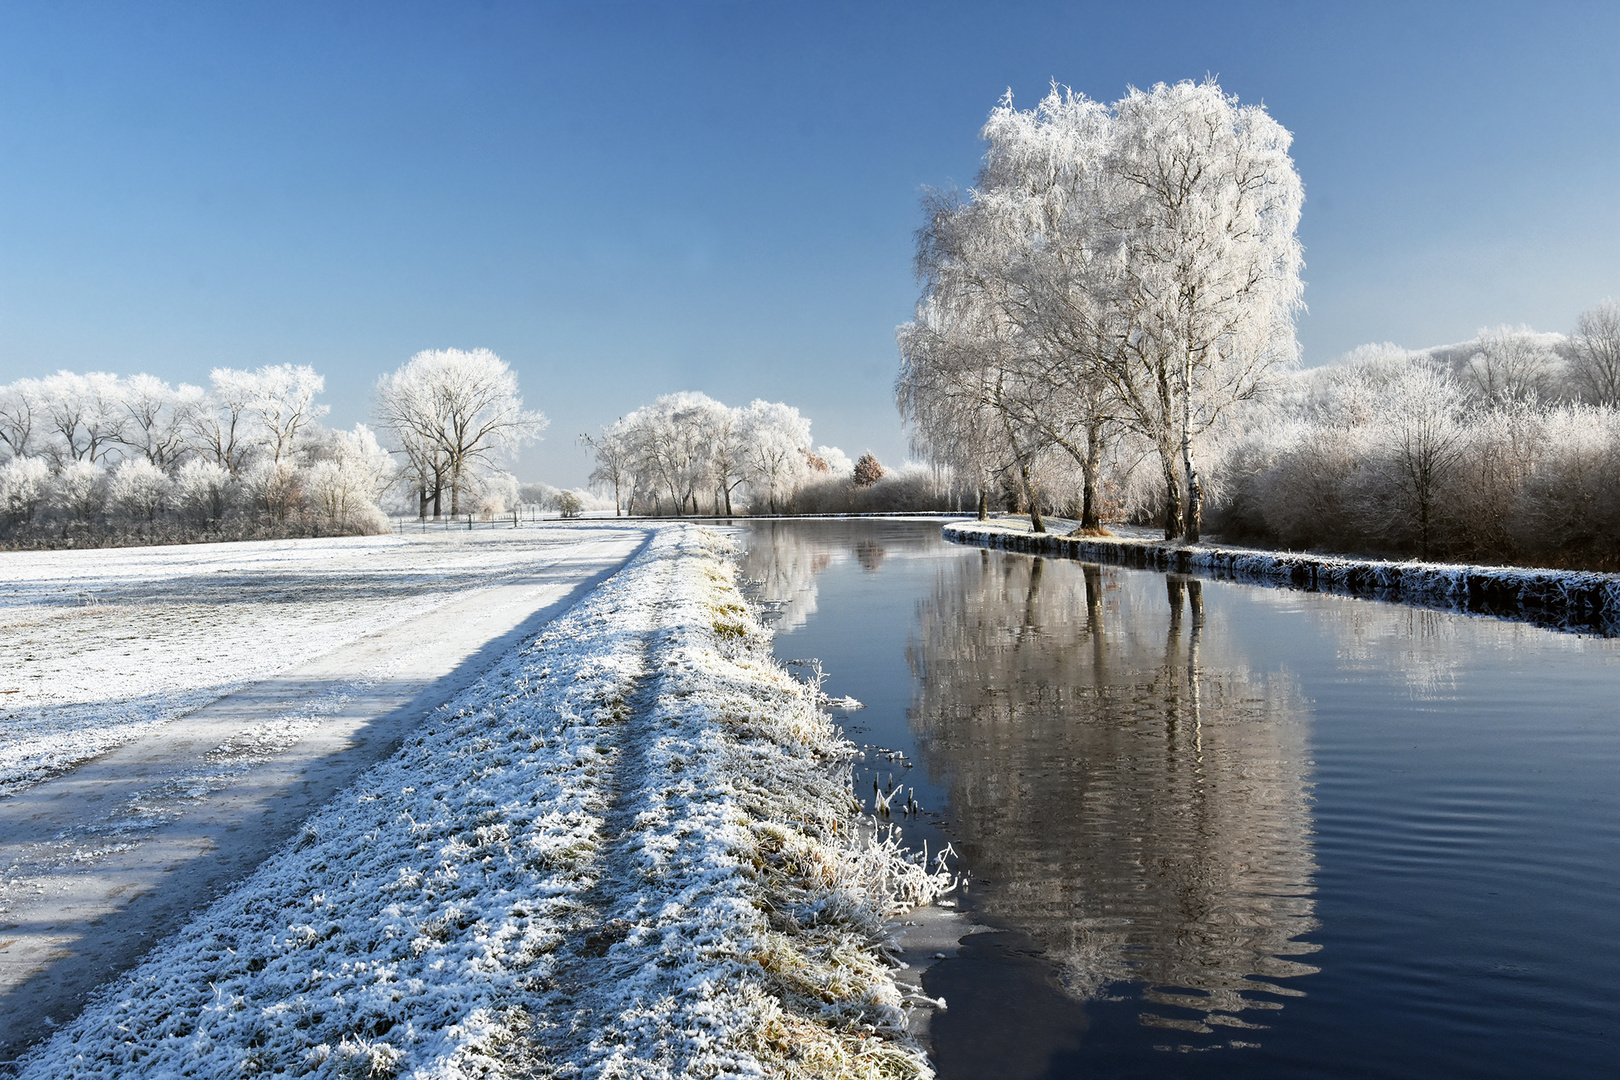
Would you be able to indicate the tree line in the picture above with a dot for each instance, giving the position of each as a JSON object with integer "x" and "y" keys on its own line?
{"x": 687, "y": 453}
{"x": 1503, "y": 449}
{"x": 92, "y": 458}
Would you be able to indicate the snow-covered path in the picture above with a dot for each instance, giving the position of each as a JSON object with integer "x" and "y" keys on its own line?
{"x": 98, "y": 862}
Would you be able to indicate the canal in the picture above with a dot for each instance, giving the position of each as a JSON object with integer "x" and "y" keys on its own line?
{"x": 1212, "y": 829}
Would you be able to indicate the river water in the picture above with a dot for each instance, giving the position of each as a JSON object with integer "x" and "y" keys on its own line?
{"x": 1213, "y": 829}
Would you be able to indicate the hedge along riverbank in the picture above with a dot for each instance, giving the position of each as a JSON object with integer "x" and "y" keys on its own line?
{"x": 630, "y": 850}
{"x": 1578, "y": 601}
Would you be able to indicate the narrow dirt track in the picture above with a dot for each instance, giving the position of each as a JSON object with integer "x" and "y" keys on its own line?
{"x": 101, "y": 862}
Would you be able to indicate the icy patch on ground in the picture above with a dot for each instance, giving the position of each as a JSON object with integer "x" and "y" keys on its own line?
{"x": 629, "y": 851}
{"x": 1576, "y": 600}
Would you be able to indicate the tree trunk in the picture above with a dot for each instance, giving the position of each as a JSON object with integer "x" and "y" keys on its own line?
{"x": 1172, "y": 492}
{"x": 1035, "y": 522}
{"x": 1195, "y": 489}
{"x": 1195, "y": 493}
{"x": 984, "y": 502}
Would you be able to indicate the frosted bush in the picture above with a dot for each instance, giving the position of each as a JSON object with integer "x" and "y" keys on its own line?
{"x": 202, "y": 491}
{"x": 79, "y": 490}
{"x": 23, "y": 485}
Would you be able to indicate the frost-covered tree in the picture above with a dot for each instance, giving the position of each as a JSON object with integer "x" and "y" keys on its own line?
{"x": 966, "y": 356}
{"x": 201, "y": 491}
{"x": 686, "y": 449}
{"x": 838, "y": 462}
{"x": 24, "y": 482}
{"x": 1206, "y": 281}
{"x": 79, "y": 488}
{"x": 221, "y": 423}
{"x": 157, "y": 418}
{"x": 728, "y": 453}
{"x": 138, "y": 489}
{"x": 1512, "y": 364}
{"x": 275, "y": 490}
{"x": 83, "y": 414}
{"x": 344, "y": 484}
{"x": 19, "y": 403}
{"x": 452, "y": 412}
{"x": 615, "y": 462}
{"x": 948, "y": 397}
{"x": 282, "y": 402}
{"x": 1594, "y": 355}
{"x": 776, "y": 436}
{"x": 1045, "y": 180}
{"x": 1132, "y": 263}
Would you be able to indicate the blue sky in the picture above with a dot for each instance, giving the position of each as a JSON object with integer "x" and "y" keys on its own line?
{"x": 629, "y": 199}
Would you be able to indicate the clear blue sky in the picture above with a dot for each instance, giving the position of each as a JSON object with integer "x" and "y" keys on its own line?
{"x": 628, "y": 199}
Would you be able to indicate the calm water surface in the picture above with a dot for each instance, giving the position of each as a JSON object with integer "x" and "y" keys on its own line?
{"x": 1215, "y": 829}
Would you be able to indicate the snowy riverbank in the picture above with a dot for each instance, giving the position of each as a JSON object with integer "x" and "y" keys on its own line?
{"x": 1564, "y": 599}
{"x": 630, "y": 850}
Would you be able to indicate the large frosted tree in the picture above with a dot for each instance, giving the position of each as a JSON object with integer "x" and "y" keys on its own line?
{"x": 451, "y": 411}
{"x": 1206, "y": 282}
{"x": 1138, "y": 262}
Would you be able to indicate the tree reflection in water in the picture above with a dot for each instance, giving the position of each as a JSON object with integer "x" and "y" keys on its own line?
{"x": 1125, "y": 789}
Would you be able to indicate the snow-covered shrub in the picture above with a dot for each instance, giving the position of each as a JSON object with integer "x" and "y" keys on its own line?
{"x": 79, "y": 490}
{"x": 23, "y": 485}
{"x": 138, "y": 490}
{"x": 275, "y": 490}
{"x": 493, "y": 493}
{"x": 202, "y": 491}
{"x": 343, "y": 486}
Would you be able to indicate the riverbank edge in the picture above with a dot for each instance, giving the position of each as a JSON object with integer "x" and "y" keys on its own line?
{"x": 1572, "y": 600}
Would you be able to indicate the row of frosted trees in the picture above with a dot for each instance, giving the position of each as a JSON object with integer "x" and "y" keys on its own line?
{"x": 97, "y": 457}
{"x": 1466, "y": 452}
{"x": 688, "y": 454}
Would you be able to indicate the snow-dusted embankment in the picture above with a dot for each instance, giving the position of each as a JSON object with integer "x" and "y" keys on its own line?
{"x": 629, "y": 851}
{"x": 1565, "y": 599}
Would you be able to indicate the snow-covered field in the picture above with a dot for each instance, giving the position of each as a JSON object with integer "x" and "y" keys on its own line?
{"x": 98, "y": 646}
{"x": 629, "y": 851}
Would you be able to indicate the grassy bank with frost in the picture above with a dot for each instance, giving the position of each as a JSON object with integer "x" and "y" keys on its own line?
{"x": 629, "y": 851}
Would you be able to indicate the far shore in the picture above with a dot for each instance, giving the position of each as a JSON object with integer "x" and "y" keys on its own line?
{"x": 1575, "y": 600}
